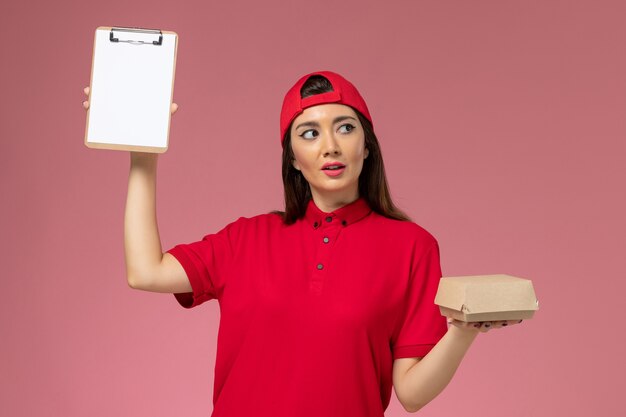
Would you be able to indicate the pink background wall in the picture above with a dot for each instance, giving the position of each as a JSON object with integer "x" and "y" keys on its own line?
{"x": 502, "y": 125}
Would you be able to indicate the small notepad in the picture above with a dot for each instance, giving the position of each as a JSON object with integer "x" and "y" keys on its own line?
{"x": 131, "y": 89}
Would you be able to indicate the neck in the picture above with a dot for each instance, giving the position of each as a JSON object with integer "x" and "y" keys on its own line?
{"x": 332, "y": 201}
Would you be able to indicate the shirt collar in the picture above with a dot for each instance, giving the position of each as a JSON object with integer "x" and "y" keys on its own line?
{"x": 346, "y": 215}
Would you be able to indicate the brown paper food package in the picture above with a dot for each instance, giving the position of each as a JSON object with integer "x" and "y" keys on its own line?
{"x": 475, "y": 298}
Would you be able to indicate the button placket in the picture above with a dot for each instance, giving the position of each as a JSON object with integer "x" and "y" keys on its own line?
{"x": 328, "y": 231}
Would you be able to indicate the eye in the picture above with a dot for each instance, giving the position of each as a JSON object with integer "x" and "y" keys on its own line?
{"x": 349, "y": 126}
{"x": 313, "y": 133}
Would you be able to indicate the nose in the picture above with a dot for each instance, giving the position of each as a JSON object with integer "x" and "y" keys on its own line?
{"x": 330, "y": 144}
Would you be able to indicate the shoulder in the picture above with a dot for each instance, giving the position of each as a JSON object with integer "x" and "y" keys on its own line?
{"x": 263, "y": 218}
{"x": 248, "y": 229}
{"x": 271, "y": 220}
{"x": 405, "y": 229}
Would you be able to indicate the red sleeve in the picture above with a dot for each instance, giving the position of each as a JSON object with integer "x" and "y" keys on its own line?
{"x": 206, "y": 263}
{"x": 422, "y": 325}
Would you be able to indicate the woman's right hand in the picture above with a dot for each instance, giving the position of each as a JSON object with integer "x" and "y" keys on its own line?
{"x": 173, "y": 107}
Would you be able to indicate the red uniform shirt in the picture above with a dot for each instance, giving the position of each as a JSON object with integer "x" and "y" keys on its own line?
{"x": 313, "y": 314}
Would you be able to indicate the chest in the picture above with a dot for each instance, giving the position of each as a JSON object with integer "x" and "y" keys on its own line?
{"x": 329, "y": 275}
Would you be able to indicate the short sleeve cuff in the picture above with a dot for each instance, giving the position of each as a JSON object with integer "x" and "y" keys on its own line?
{"x": 412, "y": 351}
{"x": 198, "y": 295}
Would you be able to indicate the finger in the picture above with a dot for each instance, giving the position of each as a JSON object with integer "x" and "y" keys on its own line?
{"x": 174, "y": 108}
{"x": 86, "y": 90}
{"x": 486, "y": 326}
{"x": 459, "y": 323}
{"x": 465, "y": 325}
{"x": 482, "y": 326}
{"x": 498, "y": 324}
{"x": 86, "y": 104}
{"x": 503, "y": 323}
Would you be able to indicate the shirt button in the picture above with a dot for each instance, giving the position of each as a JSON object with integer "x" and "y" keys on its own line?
{"x": 315, "y": 224}
{"x": 320, "y": 266}
{"x": 329, "y": 219}
{"x": 326, "y": 240}
{"x": 343, "y": 222}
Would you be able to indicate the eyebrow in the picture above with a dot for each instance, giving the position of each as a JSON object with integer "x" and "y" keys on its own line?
{"x": 315, "y": 124}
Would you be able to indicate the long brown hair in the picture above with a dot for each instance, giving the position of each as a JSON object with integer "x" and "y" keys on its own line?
{"x": 372, "y": 181}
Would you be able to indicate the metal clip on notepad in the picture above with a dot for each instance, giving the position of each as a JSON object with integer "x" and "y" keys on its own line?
{"x": 144, "y": 34}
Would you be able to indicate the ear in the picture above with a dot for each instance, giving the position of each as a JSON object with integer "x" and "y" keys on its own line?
{"x": 367, "y": 152}
{"x": 295, "y": 164}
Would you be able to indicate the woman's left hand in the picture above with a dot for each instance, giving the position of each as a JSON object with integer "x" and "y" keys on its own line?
{"x": 482, "y": 326}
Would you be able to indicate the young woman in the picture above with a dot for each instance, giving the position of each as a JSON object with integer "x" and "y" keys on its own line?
{"x": 325, "y": 305}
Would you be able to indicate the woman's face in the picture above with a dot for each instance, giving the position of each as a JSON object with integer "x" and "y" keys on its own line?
{"x": 329, "y": 133}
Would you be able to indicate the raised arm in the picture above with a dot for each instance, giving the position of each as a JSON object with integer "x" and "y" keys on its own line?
{"x": 147, "y": 268}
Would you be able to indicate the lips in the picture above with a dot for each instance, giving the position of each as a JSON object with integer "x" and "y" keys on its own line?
{"x": 330, "y": 166}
